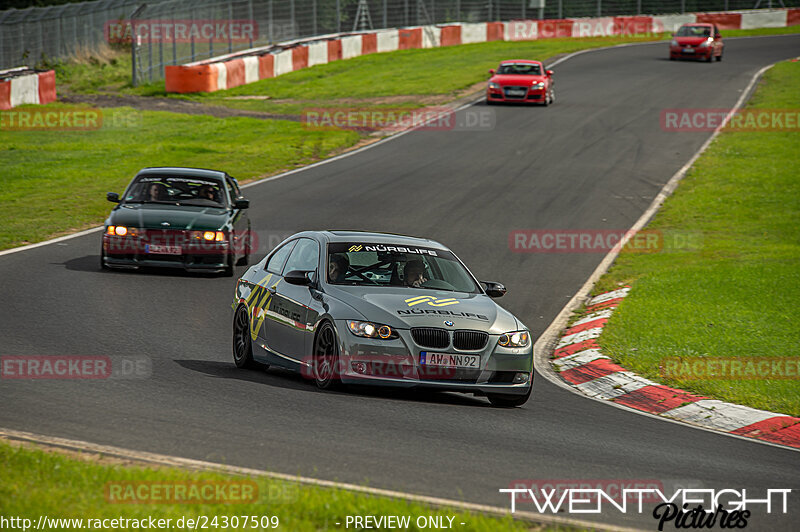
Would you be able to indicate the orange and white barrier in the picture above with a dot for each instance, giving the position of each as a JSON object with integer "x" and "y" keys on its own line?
{"x": 230, "y": 71}
{"x": 24, "y": 85}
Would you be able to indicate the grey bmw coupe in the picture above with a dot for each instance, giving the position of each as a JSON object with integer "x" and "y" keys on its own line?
{"x": 372, "y": 308}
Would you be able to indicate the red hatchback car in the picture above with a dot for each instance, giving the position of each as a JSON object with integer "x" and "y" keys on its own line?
{"x": 521, "y": 80}
{"x": 696, "y": 41}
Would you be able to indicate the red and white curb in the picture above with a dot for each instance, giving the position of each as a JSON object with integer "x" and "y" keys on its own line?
{"x": 579, "y": 361}
{"x": 23, "y": 85}
{"x": 248, "y": 66}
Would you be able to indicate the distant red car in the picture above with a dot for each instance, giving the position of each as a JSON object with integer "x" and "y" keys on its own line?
{"x": 696, "y": 41}
{"x": 521, "y": 80}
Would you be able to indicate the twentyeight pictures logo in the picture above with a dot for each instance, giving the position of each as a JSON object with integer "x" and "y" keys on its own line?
{"x": 682, "y": 508}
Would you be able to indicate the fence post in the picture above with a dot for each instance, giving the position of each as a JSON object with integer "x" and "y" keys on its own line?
{"x": 174, "y": 40}
{"x": 271, "y": 28}
{"x": 230, "y": 26}
{"x": 599, "y": 8}
{"x": 292, "y": 17}
{"x": 338, "y": 16}
{"x": 524, "y": 14}
{"x": 560, "y": 9}
{"x": 314, "y": 16}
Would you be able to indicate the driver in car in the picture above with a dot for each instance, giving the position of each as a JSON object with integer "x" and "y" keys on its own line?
{"x": 414, "y": 274}
{"x": 337, "y": 268}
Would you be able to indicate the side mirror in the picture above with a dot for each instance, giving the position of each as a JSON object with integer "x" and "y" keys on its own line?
{"x": 549, "y": 72}
{"x": 241, "y": 203}
{"x": 298, "y": 277}
{"x": 113, "y": 197}
{"x": 494, "y": 289}
{"x": 491, "y": 72}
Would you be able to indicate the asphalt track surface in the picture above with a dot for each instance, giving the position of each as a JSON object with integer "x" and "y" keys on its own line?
{"x": 594, "y": 160}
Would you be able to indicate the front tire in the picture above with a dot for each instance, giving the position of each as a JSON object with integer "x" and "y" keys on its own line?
{"x": 509, "y": 401}
{"x": 228, "y": 271}
{"x": 326, "y": 358}
{"x": 242, "y": 346}
{"x": 103, "y": 265}
{"x": 719, "y": 57}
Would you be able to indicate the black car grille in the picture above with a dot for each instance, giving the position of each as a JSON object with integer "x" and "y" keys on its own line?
{"x": 431, "y": 337}
{"x": 470, "y": 340}
{"x": 523, "y": 91}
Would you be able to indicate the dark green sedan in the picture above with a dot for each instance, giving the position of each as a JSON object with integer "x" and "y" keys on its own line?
{"x": 186, "y": 218}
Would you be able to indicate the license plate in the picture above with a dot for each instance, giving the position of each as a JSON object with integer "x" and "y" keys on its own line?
{"x": 516, "y": 93}
{"x": 449, "y": 360}
{"x": 688, "y": 50}
{"x": 162, "y": 250}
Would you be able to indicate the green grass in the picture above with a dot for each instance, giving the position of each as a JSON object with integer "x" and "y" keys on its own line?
{"x": 37, "y": 483}
{"x": 736, "y": 295}
{"x": 55, "y": 181}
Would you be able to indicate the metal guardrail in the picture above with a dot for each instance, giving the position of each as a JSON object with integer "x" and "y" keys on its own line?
{"x": 43, "y": 34}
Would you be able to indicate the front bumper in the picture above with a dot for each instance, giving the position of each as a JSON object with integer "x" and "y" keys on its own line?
{"x": 396, "y": 363}
{"x": 532, "y": 95}
{"x": 123, "y": 254}
{"x": 695, "y": 53}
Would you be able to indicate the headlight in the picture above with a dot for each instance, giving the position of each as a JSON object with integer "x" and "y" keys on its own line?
{"x": 539, "y": 85}
{"x": 494, "y": 85}
{"x": 705, "y": 43}
{"x": 674, "y": 43}
{"x": 121, "y": 230}
{"x": 208, "y": 236}
{"x": 514, "y": 339}
{"x": 368, "y": 329}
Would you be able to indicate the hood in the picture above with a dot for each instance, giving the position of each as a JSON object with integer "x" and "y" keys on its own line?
{"x": 151, "y": 216}
{"x": 516, "y": 79}
{"x": 404, "y": 308}
{"x": 690, "y": 41}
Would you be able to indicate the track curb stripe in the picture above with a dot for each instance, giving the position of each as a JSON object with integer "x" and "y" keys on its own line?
{"x": 593, "y": 373}
{"x": 295, "y": 55}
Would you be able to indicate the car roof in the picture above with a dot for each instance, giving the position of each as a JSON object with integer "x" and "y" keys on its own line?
{"x": 521, "y": 61}
{"x": 339, "y": 235}
{"x": 183, "y": 171}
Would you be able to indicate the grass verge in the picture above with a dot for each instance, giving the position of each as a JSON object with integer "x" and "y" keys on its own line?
{"x": 54, "y": 182}
{"x": 735, "y": 293}
{"x": 38, "y": 483}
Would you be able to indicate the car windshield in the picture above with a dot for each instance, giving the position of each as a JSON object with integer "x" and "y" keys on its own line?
{"x": 370, "y": 264}
{"x": 694, "y": 31}
{"x": 184, "y": 190}
{"x": 525, "y": 69}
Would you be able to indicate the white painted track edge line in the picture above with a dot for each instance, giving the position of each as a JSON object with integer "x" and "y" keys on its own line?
{"x": 548, "y": 338}
{"x": 199, "y": 465}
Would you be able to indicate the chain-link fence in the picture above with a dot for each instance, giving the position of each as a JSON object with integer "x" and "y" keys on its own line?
{"x": 180, "y": 31}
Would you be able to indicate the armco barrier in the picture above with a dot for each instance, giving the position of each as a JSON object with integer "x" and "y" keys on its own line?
{"x": 24, "y": 85}
{"x": 237, "y": 69}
